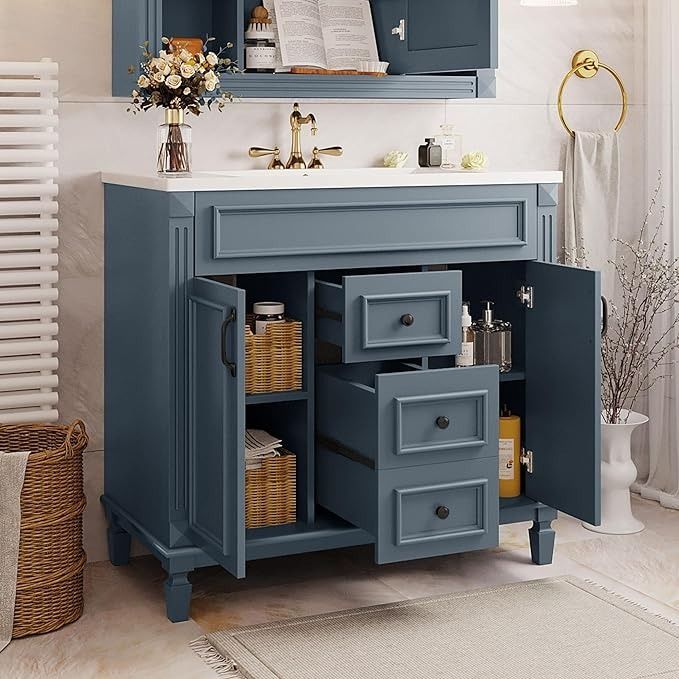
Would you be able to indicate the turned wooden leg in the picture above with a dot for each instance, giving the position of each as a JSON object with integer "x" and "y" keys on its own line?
{"x": 541, "y": 536}
{"x": 178, "y": 596}
{"x": 118, "y": 544}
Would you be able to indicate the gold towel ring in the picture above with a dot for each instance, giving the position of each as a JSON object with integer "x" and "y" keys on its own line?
{"x": 586, "y": 64}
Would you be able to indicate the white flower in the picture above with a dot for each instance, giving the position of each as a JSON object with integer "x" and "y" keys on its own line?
{"x": 187, "y": 70}
{"x": 395, "y": 159}
{"x": 212, "y": 59}
{"x": 157, "y": 64}
{"x": 201, "y": 58}
{"x": 163, "y": 54}
{"x": 185, "y": 55}
{"x": 173, "y": 81}
{"x": 143, "y": 81}
{"x": 159, "y": 77}
{"x": 475, "y": 160}
{"x": 187, "y": 91}
{"x": 211, "y": 81}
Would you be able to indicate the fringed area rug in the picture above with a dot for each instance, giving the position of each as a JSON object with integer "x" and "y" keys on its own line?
{"x": 560, "y": 628}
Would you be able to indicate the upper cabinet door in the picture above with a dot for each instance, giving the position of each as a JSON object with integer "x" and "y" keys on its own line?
{"x": 217, "y": 422}
{"x": 134, "y": 22}
{"x": 436, "y": 36}
{"x": 563, "y": 389}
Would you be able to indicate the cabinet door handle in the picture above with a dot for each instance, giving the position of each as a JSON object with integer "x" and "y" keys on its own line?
{"x": 225, "y": 327}
{"x": 407, "y": 320}
{"x": 604, "y": 316}
{"x": 442, "y": 422}
{"x": 400, "y": 30}
{"x": 442, "y": 512}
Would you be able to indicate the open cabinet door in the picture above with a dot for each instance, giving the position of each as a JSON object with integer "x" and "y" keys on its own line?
{"x": 436, "y": 36}
{"x": 216, "y": 440}
{"x": 563, "y": 389}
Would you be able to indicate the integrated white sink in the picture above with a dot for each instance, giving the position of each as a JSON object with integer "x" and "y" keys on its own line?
{"x": 262, "y": 179}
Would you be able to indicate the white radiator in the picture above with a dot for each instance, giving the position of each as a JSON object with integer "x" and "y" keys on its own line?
{"x": 28, "y": 242}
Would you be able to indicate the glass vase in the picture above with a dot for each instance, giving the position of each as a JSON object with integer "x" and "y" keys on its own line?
{"x": 174, "y": 145}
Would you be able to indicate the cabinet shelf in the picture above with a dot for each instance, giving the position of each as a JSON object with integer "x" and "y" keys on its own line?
{"x": 276, "y": 397}
{"x": 326, "y": 532}
{"x": 518, "y": 509}
{"x": 513, "y": 376}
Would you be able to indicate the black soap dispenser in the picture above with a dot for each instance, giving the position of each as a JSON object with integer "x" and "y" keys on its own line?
{"x": 430, "y": 154}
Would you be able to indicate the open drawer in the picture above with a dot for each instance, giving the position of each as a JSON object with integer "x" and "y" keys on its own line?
{"x": 392, "y": 315}
{"x": 396, "y": 415}
{"x": 414, "y": 512}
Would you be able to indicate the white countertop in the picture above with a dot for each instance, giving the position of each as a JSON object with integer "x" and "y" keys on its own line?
{"x": 246, "y": 180}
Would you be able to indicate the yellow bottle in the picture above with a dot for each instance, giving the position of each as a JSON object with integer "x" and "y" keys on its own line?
{"x": 510, "y": 451}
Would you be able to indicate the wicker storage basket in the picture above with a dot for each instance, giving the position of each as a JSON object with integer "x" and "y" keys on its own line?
{"x": 273, "y": 361}
{"x": 271, "y": 492}
{"x": 49, "y": 590}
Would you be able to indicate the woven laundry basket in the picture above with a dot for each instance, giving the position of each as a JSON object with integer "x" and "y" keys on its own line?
{"x": 49, "y": 591}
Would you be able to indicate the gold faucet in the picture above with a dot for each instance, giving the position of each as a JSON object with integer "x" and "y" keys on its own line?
{"x": 296, "y": 160}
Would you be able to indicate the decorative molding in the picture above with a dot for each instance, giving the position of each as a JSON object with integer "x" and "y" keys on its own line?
{"x": 486, "y": 83}
{"x": 548, "y": 195}
{"x": 547, "y": 234}
{"x": 480, "y": 399}
{"x": 227, "y": 250}
{"x": 181, "y": 204}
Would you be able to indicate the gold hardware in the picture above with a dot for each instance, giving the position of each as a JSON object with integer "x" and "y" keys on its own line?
{"x": 174, "y": 116}
{"x": 586, "y": 64}
{"x": 296, "y": 160}
{"x": 526, "y": 459}
{"x": 316, "y": 163}
{"x": 276, "y": 162}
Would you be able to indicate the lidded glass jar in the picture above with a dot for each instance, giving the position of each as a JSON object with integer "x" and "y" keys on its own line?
{"x": 451, "y": 147}
{"x": 492, "y": 340}
{"x": 174, "y": 144}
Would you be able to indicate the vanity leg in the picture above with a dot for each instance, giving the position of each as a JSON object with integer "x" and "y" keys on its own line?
{"x": 118, "y": 543}
{"x": 178, "y": 596}
{"x": 541, "y": 535}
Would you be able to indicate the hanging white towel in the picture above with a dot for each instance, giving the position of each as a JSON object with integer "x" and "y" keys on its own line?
{"x": 12, "y": 470}
{"x": 592, "y": 203}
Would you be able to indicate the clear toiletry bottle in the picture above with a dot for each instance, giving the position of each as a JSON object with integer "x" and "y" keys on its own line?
{"x": 451, "y": 147}
{"x": 492, "y": 340}
{"x": 466, "y": 356}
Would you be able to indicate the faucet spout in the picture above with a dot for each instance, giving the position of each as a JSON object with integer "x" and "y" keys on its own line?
{"x": 297, "y": 120}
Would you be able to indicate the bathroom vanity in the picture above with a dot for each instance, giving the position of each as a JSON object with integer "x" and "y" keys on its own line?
{"x": 395, "y": 446}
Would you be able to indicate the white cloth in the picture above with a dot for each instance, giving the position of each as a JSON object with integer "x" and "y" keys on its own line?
{"x": 12, "y": 471}
{"x": 592, "y": 203}
{"x": 657, "y": 457}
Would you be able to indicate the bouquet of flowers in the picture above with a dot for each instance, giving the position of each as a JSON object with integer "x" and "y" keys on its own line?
{"x": 178, "y": 81}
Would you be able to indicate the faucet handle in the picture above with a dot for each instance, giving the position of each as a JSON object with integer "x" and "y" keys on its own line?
{"x": 316, "y": 162}
{"x": 259, "y": 152}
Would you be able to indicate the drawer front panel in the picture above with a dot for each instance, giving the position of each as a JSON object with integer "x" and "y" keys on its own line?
{"x": 391, "y": 316}
{"x": 434, "y": 416}
{"x": 438, "y": 509}
{"x": 439, "y": 422}
{"x": 248, "y": 231}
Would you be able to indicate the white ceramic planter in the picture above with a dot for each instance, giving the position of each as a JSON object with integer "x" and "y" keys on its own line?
{"x": 618, "y": 473}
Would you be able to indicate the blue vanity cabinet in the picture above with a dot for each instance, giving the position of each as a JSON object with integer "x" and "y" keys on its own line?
{"x": 438, "y": 49}
{"x": 396, "y": 447}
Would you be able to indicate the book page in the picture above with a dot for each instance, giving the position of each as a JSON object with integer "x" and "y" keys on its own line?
{"x": 299, "y": 30}
{"x": 348, "y": 33}
{"x": 269, "y": 5}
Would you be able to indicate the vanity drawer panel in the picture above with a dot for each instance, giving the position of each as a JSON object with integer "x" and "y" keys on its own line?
{"x": 327, "y": 228}
{"x": 414, "y": 512}
{"x": 391, "y": 316}
{"x": 410, "y": 417}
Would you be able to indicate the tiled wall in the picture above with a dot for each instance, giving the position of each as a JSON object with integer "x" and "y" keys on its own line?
{"x": 520, "y": 129}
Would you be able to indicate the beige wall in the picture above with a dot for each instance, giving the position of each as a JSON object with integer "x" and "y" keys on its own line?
{"x": 520, "y": 129}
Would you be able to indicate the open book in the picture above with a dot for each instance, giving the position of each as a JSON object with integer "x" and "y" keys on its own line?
{"x": 330, "y": 34}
